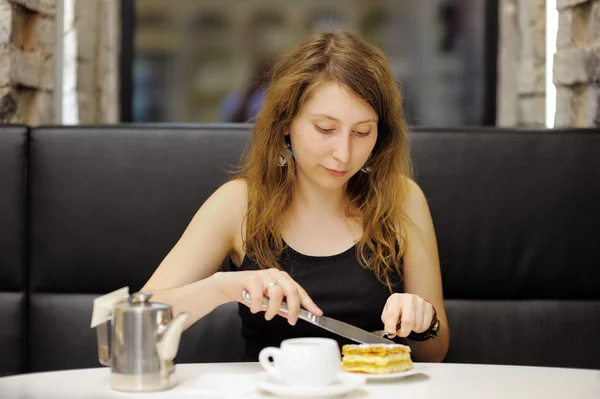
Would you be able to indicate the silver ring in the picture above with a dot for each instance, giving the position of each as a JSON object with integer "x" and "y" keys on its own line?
{"x": 271, "y": 284}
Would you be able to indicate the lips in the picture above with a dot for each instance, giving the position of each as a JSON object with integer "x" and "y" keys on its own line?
{"x": 336, "y": 173}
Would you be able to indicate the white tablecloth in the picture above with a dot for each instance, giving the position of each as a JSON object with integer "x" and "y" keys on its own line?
{"x": 447, "y": 381}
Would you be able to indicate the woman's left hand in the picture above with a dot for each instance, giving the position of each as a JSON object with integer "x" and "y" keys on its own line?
{"x": 409, "y": 312}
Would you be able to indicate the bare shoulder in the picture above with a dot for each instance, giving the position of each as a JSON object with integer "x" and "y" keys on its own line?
{"x": 234, "y": 192}
{"x": 231, "y": 200}
{"x": 415, "y": 199}
{"x": 219, "y": 219}
{"x": 418, "y": 222}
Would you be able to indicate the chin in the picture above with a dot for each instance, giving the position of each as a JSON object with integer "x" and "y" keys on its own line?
{"x": 333, "y": 183}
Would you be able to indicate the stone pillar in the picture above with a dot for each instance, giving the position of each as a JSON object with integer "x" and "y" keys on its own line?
{"x": 577, "y": 64}
{"x": 509, "y": 48}
{"x": 109, "y": 50}
{"x": 95, "y": 24}
{"x": 576, "y": 70}
{"x": 521, "y": 63}
{"x": 27, "y": 32}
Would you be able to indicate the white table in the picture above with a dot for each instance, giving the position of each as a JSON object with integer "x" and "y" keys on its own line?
{"x": 447, "y": 381}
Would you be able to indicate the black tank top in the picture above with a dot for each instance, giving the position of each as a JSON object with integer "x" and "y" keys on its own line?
{"x": 338, "y": 284}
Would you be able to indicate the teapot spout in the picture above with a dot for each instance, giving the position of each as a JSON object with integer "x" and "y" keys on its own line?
{"x": 169, "y": 336}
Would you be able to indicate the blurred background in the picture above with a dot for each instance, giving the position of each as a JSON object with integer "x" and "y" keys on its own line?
{"x": 196, "y": 60}
{"x": 533, "y": 63}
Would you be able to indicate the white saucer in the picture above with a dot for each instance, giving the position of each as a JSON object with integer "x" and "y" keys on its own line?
{"x": 347, "y": 382}
{"x": 417, "y": 369}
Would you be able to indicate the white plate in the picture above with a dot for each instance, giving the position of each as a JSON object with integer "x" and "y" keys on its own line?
{"x": 417, "y": 369}
{"x": 347, "y": 382}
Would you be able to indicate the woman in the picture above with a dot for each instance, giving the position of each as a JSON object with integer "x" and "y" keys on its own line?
{"x": 324, "y": 212}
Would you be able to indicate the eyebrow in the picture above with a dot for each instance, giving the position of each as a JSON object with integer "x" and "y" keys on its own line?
{"x": 337, "y": 120}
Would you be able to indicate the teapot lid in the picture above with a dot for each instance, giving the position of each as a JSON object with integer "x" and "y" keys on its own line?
{"x": 140, "y": 301}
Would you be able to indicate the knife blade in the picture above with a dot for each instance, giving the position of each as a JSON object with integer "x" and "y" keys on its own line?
{"x": 327, "y": 323}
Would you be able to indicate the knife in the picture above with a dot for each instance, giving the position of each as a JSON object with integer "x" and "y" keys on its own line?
{"x": 327, "y": 323}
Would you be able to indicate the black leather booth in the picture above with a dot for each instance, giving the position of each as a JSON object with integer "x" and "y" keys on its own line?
{"x": 13, "y": 206}
{"x": 86, "y": 210}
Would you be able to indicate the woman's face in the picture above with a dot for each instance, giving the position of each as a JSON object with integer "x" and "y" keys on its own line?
{"x": 332, "y": 136}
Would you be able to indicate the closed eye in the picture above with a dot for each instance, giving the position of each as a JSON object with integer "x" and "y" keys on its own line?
{"x": 358, "y": 133}
{"x": 322, "y": 130}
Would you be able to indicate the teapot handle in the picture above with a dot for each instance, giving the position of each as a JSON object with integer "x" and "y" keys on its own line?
{"x": 104, "y": 345}
{"x": 169, "y": 337}
{"x": 102, "y": 314}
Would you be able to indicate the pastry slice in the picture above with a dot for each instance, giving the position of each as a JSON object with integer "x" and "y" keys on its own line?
{"x": 376, "y": 358}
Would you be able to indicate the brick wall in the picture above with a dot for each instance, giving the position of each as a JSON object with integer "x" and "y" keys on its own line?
{"x": 522, "y": 57}
{"x": 27, "y": 30}
{"x": 27, "y": 76}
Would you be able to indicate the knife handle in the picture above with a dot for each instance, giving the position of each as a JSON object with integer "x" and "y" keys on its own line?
{"x": 304, "y": 315}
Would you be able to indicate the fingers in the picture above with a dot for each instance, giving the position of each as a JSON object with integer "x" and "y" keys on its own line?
{"x": 423, "y": 315}
{"x": 411, "y": 312}
{"x": 308, "y": 303}
{"x": 419, "y": 316}
{"x": 295, "y": 297}
{"x": 282, "y": 289}
{"x": 407, "y": 318}
{"x": 278, "y": 286}
{"x": 391, "y": 314}
{"x": 292, "y": 296}
{"x": 275, "y": 294}
{"x": 254, "y": 286}
{"x": 399, "y": 311}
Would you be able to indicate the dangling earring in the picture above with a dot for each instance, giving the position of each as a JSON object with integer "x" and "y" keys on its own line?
{"x": 366, "y": 167}
{"x": 282, "y": 161}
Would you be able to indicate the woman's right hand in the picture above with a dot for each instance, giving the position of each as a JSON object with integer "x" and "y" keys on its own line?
{"x": 273, "y": 283}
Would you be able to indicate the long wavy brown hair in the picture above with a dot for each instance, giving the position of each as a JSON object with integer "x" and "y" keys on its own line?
{"x": 378, "y": 196}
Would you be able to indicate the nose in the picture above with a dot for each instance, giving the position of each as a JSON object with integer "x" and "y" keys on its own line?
{"x": 342, "y": 147}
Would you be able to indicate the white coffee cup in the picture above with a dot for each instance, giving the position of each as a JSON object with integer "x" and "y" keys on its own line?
{"x": 303, "y": 361}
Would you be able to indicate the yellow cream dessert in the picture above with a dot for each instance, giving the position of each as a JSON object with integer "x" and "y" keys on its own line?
{"x": 376, "y": 358}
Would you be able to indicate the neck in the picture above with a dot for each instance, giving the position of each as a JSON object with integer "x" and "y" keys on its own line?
{"x": 320, "y": 200}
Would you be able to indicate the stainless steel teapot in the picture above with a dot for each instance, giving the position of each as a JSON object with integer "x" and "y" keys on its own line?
{"x": 138, "y": 339}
